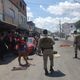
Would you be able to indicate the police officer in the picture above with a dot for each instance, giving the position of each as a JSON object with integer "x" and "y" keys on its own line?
{"x": 76, "y": 43}
{"x": 46, "y": 45}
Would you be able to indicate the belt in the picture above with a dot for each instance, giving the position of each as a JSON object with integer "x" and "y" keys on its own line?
{"x": 47, "y": 48}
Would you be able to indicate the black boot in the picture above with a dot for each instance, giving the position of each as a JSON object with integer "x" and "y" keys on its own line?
{"x": 75, "y": 55}
{"x": 51, "y": 69}
{"x": 46, "y": 72}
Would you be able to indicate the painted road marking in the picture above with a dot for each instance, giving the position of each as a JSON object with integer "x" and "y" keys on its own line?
{"x": 66, "y": 45}
{"x": 57, "y": 55}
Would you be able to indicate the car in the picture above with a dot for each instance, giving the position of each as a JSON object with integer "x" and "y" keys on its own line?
{"x": 56, "y": 38}
{"x": 31, "y": 44}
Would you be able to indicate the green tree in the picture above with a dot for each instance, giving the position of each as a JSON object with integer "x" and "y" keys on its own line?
{"x": 77, "y": 24}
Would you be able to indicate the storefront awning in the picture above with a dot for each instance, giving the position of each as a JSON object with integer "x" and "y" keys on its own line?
{"x": 22, "y": 30}
{"x": 6, "y": 26}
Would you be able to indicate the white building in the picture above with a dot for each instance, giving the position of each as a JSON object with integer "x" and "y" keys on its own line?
{"x": 68, "y": 28}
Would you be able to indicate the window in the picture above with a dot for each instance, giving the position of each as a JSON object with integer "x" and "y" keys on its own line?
{"x": 12, "y": 13}
{"x": 23, "y": 7}
{"x": 20, "y": 19}
{"x": 20, "y": 4}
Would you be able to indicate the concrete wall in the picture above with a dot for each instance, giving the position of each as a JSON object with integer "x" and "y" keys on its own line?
{"x": 12, "y": 14}
{"x": 1, "y": 10}
{"x": 20, "y": 4}
{"x": 22, "y": 20}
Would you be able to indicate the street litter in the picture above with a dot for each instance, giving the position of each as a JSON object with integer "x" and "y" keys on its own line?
{"x": 19, "y": 68}
{"x": 65, "y": 45}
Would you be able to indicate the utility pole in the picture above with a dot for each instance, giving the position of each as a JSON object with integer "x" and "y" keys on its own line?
{"x": 60, "y": 28}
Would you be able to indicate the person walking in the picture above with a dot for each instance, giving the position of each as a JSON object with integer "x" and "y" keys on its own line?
{"x": 46, "y": 45}
{"x": 22, "y": 50}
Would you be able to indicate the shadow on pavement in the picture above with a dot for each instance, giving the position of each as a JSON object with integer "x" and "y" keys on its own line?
{"x": 8, "y": 59}
{"x": 57, "y": 73}
{"x": 23, "y": 67}
{"x": 76, "y": 58}
{"x": 30, "y": 58}
{"x": 18, "y": 68}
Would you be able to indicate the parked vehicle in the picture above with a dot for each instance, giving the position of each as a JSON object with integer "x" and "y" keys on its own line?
{"x": 31, "y": 44}
{"x": 56, "y": 38}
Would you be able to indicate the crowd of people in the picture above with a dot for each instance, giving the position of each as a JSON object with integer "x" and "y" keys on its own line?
{"x": 7, "y": 44}
{"x": 16, "y": 43}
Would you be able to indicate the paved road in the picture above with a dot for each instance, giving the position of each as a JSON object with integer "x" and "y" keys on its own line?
{"x": 66, "y": 67}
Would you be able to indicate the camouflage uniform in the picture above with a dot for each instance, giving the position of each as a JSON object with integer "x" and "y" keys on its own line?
{"x": 77, "y": 44}
{"x": 46, "y": 45}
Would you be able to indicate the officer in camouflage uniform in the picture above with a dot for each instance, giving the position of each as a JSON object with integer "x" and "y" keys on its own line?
{"x": 46, "y": 45}
{"x": 77, "y": 43}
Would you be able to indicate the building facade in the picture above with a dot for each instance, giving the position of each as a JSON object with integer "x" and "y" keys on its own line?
{"x": 31, "y": 25}
{"x": 13, "y": 12}
{"x": 68, "y": 28}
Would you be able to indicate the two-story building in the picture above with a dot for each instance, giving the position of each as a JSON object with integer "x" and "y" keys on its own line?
{"x": 13, "y": 13}
{"x": 67, "y": 28}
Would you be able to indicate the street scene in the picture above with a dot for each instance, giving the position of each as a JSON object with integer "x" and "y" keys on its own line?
{"x": 66, "y": 67}
{"x": 39, "y": 40}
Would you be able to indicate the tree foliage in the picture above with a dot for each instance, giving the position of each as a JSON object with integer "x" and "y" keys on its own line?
{"x": 77, "y": 24}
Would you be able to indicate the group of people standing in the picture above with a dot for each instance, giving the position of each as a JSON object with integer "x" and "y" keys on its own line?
{"x": 15, "y": 43}
{"x": 7, "y": 44}
{"x": 46, "y": 45}
{"x": 18, "y": 44}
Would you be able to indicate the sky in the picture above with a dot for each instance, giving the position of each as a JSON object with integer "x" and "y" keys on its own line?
{"x": 47, "y": 14}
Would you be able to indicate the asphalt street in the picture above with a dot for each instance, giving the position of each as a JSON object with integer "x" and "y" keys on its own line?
{"x": 65, "y": 65}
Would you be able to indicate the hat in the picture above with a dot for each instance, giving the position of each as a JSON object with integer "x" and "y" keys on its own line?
{"x": 45, "y": 31}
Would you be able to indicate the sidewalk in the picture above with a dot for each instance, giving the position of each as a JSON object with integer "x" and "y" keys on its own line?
{"x": 71, "y": 38}
{"x": 65, "y": 67}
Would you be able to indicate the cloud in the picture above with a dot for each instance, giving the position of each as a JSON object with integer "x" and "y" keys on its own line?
{"x": 42, "y": 8}
{"x": 62, "y": 8}
{"x": 45, "y": 23}
{"x": 29, "y": 13}
{"x": 74, "y": 13}
{"x": 51, "y": 23}
{"x": 64, "y": 11}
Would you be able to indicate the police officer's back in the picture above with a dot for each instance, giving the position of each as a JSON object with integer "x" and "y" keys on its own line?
{"x": 46, "y": 45}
